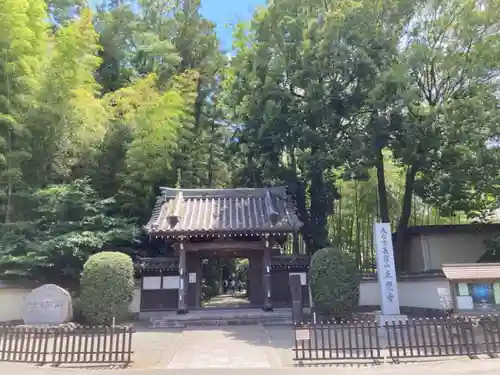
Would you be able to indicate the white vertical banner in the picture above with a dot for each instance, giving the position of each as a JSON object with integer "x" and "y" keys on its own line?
{"x": 386, "y": 270}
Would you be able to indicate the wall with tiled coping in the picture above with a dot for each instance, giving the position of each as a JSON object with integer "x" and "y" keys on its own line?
{"x": 12, "y": 297}
{"x": 418, "y": 295}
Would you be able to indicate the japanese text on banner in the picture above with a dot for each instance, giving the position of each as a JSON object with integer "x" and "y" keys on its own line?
{"x": 385, "y": 268}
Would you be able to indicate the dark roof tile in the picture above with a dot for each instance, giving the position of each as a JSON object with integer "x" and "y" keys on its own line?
{"x": 195, "y": 211}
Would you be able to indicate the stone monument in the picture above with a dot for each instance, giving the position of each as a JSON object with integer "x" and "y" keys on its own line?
{"x": 296, "y": 293}
{"x": 47, "y": 304}
{"x": 386, "y": 274}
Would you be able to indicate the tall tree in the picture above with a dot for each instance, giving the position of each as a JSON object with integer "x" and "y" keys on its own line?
{"x": 70, "y": 118}
{"x": 22, "y": 49}
{"x": 300, "y": 77}
{"x": 442, "y": 108}
{"x": 154, "y": 120}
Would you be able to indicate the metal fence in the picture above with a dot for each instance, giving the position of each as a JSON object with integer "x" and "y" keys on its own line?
{"x": 413, "y": 338}
{"x": 57, "y": 346}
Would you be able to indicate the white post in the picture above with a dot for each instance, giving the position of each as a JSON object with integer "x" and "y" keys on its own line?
{"x": 386, "y": 273}
{"x": 182, "y": 303}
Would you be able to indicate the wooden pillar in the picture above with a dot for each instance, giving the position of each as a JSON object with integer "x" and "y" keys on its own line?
{"x": 183, "y": 282}
{"x": 295, "y": 249}
{"x": 266, "y": 274}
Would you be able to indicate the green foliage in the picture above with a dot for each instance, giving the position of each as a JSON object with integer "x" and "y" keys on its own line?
{"x": 492, "y": 254}
{"x": 351, "y": 227}
{"x": 139, "y": 95}
{"x": 107, "y": 288}
{"x": 70, "y": 120}
{"x": 97, "y": 108}
{"x": 67, "y": 224}
{"x": 334, "y": 279}
{"x": 319, "y": 86}
{"x": 22, "y": 47}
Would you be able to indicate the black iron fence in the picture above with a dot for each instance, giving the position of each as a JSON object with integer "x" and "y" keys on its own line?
{"x": 413, "y": 338}
{"x": 57, "y": 346}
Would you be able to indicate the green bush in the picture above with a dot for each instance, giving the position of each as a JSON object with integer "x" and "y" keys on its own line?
{"x": 334, "y": 280}
{"x": 106, "y": 288}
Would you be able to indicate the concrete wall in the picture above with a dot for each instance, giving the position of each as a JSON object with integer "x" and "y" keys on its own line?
{"x": 430, "y": 251}
{"x": 11, "y": 302}
{"x": 455, "y": 248}
{"x": 415, "y": 262}
{"x": 417, "y": 294}
{"x": 135, "y": 306}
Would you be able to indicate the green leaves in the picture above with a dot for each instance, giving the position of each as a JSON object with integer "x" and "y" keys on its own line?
{"x": 66, "y": 225}
{"x": 69, "y": 119}
{"x": 107, "y": 288}
{"x": 334, "y": 280}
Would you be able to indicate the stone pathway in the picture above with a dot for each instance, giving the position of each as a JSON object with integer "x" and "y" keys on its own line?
{"x": 225, "y": 347}
{"x": 155, "y": 348}
{"x": 228, "y": 300}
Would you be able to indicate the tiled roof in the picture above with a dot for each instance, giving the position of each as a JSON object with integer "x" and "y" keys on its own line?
{"x": 222, "y": 211}
{"x": 472, "y": 271}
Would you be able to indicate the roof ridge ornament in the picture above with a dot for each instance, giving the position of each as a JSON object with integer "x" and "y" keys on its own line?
{"x": 273, "y": 215}
{"x": 174, "y": 217}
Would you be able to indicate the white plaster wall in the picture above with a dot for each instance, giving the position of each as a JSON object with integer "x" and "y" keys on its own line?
{"x": 412, "y": 293}
{"x": 456, "y": 247}
{"x": 135, "y": 305}
{"x": 369, "y": 293}
{"x": 415, "y": 260}
{"x": 11, "y": 303}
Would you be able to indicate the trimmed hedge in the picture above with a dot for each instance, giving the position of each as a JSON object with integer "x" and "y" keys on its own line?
{"x": 334, "y": 280}
{"x": 106, "y": 288}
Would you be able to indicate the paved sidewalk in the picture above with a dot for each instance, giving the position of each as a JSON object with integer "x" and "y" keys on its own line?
{"x": 228, "y": 347}
{"x": 455, "y": 367}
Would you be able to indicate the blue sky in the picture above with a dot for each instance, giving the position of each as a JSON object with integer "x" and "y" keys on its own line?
{"x": 225, "y": 13}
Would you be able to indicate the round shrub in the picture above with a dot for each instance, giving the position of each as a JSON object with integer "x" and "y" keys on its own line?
{"x": 334, "y": 280}
{"x": 106, "y": 288}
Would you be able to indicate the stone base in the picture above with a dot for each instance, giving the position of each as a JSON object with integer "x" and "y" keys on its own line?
{"x": 382, "y": 319}
{"x": 214, "y": 317}
{"x": 182, "y": 311}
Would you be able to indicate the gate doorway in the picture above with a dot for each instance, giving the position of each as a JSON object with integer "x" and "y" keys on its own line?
{"x": 224, "y": 282}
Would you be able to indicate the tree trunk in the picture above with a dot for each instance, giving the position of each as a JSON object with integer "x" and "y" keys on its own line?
{"x": 399, "y": 251}
{"x": 317, "y": 228}
{"x": 8, "y": 155}
{"x": 359, "y": 256}
{"x": 297, "y": 190}
{"x": 382, "y": 188}
{"x": 299, "y": 195}
{"x": 211, "y": 156}
{"x": 8, "y": 207}
{"x": 340, "y": 224}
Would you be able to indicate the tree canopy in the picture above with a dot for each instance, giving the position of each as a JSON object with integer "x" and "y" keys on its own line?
{"x": 365, "y": 109}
